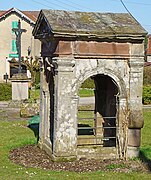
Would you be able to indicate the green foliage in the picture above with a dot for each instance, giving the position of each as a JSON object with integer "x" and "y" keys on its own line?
{"x": 147, "y": 75}
{"x": 5, "y": 91}
{"x": 37, "y": 77}
{"x": 115, "y": 166}
{"x": 147, "y": 95}
{"x": 34, "y": 94}
{"x": 37, "y": 86}
{"x": 88, "y": 83}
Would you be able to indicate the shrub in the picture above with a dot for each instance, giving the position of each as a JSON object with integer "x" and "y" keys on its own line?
{"x": 147, "y": 75}
{"x": 147, "y": 95}
{"x": 37, "y": 77}
{"x": 5, "y": 91}
{"x": 37, "y": 86}
{"x": 88, "y": 83}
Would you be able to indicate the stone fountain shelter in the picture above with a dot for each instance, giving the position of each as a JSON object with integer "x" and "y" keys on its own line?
{"x": 108, "y": 48}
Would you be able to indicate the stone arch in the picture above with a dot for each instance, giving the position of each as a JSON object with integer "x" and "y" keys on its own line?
{"x": 112, "y": 74}
{"x": 105, "y": 122}
{"x": 121, "y": 101}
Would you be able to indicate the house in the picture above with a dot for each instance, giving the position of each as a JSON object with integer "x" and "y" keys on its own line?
{"x": 148, "y": 50}
{"x": 109, "y": 48}
{"x": 8, "y": 50}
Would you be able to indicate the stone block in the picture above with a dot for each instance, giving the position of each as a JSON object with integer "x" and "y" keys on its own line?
{"x": 134, "y": 137}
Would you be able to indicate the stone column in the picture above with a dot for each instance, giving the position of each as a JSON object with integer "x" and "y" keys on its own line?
{"x": 136, "y": 115}
{"x": 65, "y": 125}
{"x": 19, "y": 87}
{"x": 41, "y": 126}
{"x": 122, "y": 126}
{"x": 44, "y": 127}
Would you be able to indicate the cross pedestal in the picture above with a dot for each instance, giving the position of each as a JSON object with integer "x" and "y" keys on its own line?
{"x": 19, "y": 87}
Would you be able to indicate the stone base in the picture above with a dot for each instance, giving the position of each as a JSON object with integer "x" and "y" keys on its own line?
{"x": 63, "y": 158}
{"x": 97, "y": 152}
{"x": 46, "y": 147}
{"x": 15, "y": 104}
{"x": 19, "y": 87}
{"x": 133, "y": 152}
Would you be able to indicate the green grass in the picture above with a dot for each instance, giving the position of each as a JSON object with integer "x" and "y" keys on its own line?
{"x": 83, "y": 92}
{"x": 86, "y": 115}
{"x": 146, "y": 137}
{"x": 114, "y": 166}
{"x": 15, "y": 134}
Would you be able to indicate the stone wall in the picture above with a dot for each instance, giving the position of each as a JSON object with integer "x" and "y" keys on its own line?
{"x": 66, "y": 67}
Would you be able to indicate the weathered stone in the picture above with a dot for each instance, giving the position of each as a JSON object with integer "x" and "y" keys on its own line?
{"x": 29, "y": 109}
{"x": 136, "y": 119}
{"x": 101, "y": 48}
{"x": 19, "y": 87}
{"x": 134, "y": 137}
{"x": 108, "y": 48}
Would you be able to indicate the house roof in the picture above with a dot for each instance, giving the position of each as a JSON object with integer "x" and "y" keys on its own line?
{"x": 33, "y": 15}
{"x": 89, "y": 23}
{"x": 2, "y": 12}
{"x": 30, "y": 16}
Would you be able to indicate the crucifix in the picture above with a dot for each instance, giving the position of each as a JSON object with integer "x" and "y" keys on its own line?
{"x": 18, "y": 32}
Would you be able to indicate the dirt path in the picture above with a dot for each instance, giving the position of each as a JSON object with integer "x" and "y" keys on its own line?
{"x": 9, "y": 113}
{"x": 32, "y": 156}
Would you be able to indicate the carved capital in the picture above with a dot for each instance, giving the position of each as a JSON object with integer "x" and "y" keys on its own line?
{"x": 63, "y": 64}
{"x": 136, "y": 62}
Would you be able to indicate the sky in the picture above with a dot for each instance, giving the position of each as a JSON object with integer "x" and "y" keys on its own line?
{"x": 140, "y": 9}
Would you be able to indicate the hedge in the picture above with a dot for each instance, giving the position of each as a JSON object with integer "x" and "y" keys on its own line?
{"x": 147, "y": 75}
{"x": 5, "y": 91}
{"x": 88, "y": 83}
{"x": 146, "y": 94}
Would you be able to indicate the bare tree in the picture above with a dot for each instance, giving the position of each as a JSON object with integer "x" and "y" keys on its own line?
{"x": 32, "y": 65}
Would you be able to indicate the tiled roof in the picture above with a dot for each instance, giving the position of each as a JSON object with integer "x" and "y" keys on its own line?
{"x": 2, "y": 12}
{"x": 32, "y": 15}
{"x": 92, "y": 23}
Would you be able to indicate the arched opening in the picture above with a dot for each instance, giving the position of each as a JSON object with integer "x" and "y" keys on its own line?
{"x": 97, "y": 121}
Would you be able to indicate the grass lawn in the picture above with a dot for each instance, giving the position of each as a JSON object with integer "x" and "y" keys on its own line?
{"x": 15, "y": 134}
{"x": 83, "y": 92}
{"x": 146, "y": 137}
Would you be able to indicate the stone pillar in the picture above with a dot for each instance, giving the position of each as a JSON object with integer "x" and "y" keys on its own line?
{"x": 65, "y": 125}
{"x": 44, "y": 126}
{"x": 41, "y": 126}
{"x": 99, "y": 131}
{"x": 19, "y": 87}
{"x": 136, "y": 115}
{"x": 122, "y": 125}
